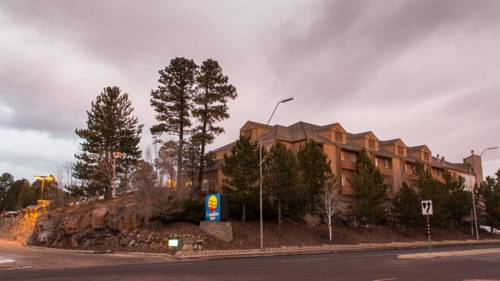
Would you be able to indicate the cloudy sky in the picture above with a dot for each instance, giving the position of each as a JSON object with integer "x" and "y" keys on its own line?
{"x": 424, "y": 70}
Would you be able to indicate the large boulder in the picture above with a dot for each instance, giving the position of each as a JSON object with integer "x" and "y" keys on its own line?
{"x": 71, "y": 224}
{"x": 221, "y": 230}
{"x": 312, "y": 220}
{"x": 98, "y": 218}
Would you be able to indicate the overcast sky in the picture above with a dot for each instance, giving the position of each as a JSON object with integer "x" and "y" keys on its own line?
{"x": 425, "y": 71}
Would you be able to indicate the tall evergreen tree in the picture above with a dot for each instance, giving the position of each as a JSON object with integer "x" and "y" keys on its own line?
{"x": 172, "y": 101}
{"x": 110, "y": 143}
{"x": 488, "y": 195}
{"x": 241, "y": 167}
{"x": 458, "y": 200}
{"x": 315, "y": 170}
{"x": 282, "y": 182}
{"x": 192, "y": 158}
{"x": 6, "y": 181}
{"x": 406, "y": 207}
{"x": 369, "y": 191}
{"x": 213, "y": 93}
{"x": 431, "y": 189}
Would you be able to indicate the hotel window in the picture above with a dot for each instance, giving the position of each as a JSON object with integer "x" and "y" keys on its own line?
{"x": 408, "y": 168}
{"x": 338, "y": 136}
{"x": 352, "y": 157}
{"x": 371, "y": 144}
{"x": 401, "y": 150}
{"x": 344, "y": 180}
{"x": 342, "y": 155}
{"x": 382, "y": 162}
{"x": 426, "y": 156}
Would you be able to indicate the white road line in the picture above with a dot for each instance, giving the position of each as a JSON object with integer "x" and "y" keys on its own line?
{"x": 6, "y": 260}
{"x": 480, "y": 280}
{"x": 386, "y": 279}
{"x": 305, "y": 260}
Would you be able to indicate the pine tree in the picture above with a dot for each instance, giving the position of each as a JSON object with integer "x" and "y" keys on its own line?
{"x": 431, "y": 189}
{"x": 165, "y": 163}
{"x": 488, "y": 195}
{"x": 110, "y": 144}
{"x": 192, "y": 152}
{"x": 406, "y": 207}
{"x": 6, "y": 181}
{"x": 315, "y": 170}
{"x": 457, "y": 201}
{"x": 282, "y": 182}
{"x": 213, "y": 93}
{"x": 172, "y": 101}
{"x": 369, "y": 191}
{"x": 241, "y": 167}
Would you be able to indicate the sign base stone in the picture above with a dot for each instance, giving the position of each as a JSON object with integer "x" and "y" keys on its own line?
{"x": 222, "y": 230}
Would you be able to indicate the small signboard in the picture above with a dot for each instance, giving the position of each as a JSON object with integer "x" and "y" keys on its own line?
{"x": 427, "y": 207}
{"x": 213, "y": 207}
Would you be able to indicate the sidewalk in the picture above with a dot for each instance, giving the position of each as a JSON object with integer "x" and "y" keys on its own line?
{"x": 295, "y": 250}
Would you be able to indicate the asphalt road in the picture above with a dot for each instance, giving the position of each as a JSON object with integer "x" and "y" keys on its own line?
{"x": 374, "y": 265}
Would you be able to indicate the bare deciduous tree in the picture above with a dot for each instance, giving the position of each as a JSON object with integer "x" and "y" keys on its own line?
{"x": 328, "y": 201}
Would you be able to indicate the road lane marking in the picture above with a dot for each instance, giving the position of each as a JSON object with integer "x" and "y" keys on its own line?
{"x": 385, "y": 279}
{"x": 305, "y": 260}
{"x": 6, "y": 260}
{"x": 480, "y": 280}
{"x": 16, "y": 268}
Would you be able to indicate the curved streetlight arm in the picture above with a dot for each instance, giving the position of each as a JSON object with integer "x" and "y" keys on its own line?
{"x": 276, "y": 107}
{"x": 489, "y": 148}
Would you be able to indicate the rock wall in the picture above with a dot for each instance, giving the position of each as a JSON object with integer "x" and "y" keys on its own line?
{"x": 106, "y": 227}
{"x": 19, "y": 227}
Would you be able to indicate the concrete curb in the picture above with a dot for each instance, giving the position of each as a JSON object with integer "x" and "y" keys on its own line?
{"x": 288, "y": 250}
{"x": 448, "y": 254}
{"x": 291, "y": 250}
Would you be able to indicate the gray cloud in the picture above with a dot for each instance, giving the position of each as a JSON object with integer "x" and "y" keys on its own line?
{"x": 425, "y": 71}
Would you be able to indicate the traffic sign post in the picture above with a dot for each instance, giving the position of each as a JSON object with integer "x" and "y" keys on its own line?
{"x": 427, "y": 211}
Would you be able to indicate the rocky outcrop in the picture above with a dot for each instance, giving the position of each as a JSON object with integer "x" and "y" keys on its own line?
{"x": 20, "y": 226}
{"x": 221, "y": 230}
{"x": 106, "y": 227}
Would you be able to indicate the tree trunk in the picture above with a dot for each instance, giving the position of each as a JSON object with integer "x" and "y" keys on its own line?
{"x": 244, "y": 212}
{"x": 202, "y": 156}
{"x": 279, "y": 216}
{"x": 330, "y": 227}
{"x": 179, "y": 156}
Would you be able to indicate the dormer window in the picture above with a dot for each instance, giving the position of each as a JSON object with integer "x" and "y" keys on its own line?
{"x": 427, "y": 156}
{"x": 371, "y": 144}
{"x": 401, "y": 150}
{"x": 338, "y": 136}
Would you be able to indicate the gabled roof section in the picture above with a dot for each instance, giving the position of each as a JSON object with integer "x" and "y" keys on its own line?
{"x": 393, "y": 142}
{"x": 225, "y": 147}
{"x": 296, "y": 132}
{"x": 255, "y": 124}
{"x": 361, "y": 135}
{"x": 335, "y": 125}
{"x": 419, "y": 148}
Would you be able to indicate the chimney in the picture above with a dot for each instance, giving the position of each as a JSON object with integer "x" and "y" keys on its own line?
{"x": 437, "y": 156}
{"x": 442, "y": 160}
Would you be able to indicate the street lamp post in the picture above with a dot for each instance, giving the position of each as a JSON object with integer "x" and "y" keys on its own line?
{"x": 43, "y": 179}
{"x": 260, "y": 172}
{"x": 472, "y": 188}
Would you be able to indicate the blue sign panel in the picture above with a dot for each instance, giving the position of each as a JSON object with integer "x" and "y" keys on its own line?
{"x": 212, "y": 207}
